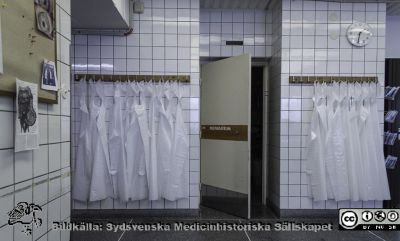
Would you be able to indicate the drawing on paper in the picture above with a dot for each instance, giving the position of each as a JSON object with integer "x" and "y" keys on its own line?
{"x": 26, "y": 113}
{"x": 26, "y": 123}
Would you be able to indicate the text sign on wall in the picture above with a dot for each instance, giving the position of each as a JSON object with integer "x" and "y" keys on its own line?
{"x": 225, "y": 132}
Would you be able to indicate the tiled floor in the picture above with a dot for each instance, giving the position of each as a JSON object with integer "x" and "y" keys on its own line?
{"x": 209, "y": 215}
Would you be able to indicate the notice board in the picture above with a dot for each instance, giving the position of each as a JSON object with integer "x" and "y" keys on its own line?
{"x": 24, "y": 47}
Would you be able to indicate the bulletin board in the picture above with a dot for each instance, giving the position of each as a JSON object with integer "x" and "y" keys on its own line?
{"x": 24, "y": 48}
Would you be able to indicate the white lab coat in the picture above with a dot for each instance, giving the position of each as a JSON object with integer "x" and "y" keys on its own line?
{"x": 101, "y": 186}
{"x": 352, "y": 143}
{"x": 375, "y": 147}
{"x": 336, "y": 161}
{"x": 155, "y": 172}
{"x": 83, "y": 164}
{"x": 177, "y": 179}
{"x": 117, "y": 142}
{"x": 316, "y": 169}
{"x": 172, "y": 146}
{"x": 164, "y": 142}
{"x": 377, "y": 136}
{"x": 137, "y": 150}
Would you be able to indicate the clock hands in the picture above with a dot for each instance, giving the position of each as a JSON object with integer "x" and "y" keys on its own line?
{"x": 359, "y": 35}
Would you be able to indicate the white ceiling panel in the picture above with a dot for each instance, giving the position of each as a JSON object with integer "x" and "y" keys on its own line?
{"x": 234, "y": 4}
{"x": 393, "y": 6}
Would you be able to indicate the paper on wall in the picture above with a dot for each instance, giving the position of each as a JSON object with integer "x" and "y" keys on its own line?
{"x": 49, "y": 76}
{"x": 27, "y": 118}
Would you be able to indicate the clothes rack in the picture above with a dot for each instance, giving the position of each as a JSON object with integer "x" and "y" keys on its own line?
{"x": 331, "y": 79}
{"x": 124, "y": 78}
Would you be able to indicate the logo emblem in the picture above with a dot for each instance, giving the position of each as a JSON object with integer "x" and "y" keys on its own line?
{"x": 25, "y": 214}
{"x": 349, "y": 219}
{"x": 392, "y": 216}
{"x": 380, "y": 216}
{"x": 367, "y": 216}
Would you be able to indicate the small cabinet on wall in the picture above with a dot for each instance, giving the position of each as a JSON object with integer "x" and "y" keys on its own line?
{"x": 100, "y": 16}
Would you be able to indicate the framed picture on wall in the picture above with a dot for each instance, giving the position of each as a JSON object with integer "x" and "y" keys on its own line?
{"x": 44, "y": 10}
{"x": 49, "y": 76}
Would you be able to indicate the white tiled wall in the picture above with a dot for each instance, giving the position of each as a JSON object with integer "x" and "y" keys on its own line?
{"x": 392, "y": 37}
{"x": 253, "y": 27}
{"x": 165, "y": 41}
{"x": 314, "y": 43}
{"x": 41, "y": 176}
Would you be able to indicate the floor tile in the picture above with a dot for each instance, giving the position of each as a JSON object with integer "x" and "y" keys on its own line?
{"x": 184, "y": 236}
{"x": 386, "y": 235}
{"x": 212, "y": 214}
{"x": 95, "y": 236}
{"x": 335, "y": 235}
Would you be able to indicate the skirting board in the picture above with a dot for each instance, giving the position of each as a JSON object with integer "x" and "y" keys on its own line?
{"x": 303, "y": 213}
{"x": 309, "y": 213}
{"x": 124, "y": 213}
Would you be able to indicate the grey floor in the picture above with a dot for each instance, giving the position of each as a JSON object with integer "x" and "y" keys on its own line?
{"x": 210, "y": 215}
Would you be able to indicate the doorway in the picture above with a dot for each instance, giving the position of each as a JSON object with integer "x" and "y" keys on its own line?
{"x": 233, "y": 163}
{"x": 257, "y": 135}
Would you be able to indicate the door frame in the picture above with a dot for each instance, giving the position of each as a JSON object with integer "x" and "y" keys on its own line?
{"x": 254, "y": 62}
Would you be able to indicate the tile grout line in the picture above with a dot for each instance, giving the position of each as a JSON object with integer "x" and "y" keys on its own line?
{"x": 377, "y": 236}
{"x": 247, "y": 235}
{"x": 120, "y": 237}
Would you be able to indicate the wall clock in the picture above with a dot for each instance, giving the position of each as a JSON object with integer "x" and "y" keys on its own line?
{"x": 359, "y": 34}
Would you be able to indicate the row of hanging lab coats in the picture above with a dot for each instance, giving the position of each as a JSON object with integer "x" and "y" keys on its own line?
{"x": 145, "y": 154}
{"x": 345, "y": 153}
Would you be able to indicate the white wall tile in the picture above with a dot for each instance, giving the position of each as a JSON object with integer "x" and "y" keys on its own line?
{"x": 6, "y": 167}
{"x": 324, "y": 51}
{"x": 24, "y": 165}
{"x": 7, "y": 137}
{"x": 40, "y": 160}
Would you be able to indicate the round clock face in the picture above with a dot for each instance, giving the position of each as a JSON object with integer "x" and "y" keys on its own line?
{"x": 359, "y": 34}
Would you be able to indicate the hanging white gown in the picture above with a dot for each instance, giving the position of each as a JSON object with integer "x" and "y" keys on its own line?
{"x": 83, "y": 164}
{"x": 154, "y": 175}
{"x": 382, "y": 174}
{"x": 375, "y": 144}
{"x": 316, "y": 169}
{"x": 137, "y": 149}
{"x": 164, "y": 139}
{"x": 117, "y": 143}
{"x": 366, "y": 152}
{"x": 101, "y": 186}
{"x": 353, "y": 148}
{"x": 177, "y": 185}
{"x": 336, "y": 162}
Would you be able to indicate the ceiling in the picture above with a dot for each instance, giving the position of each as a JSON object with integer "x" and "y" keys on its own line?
{"x": 235, "y": 4}
{"x": 393, "y": 6}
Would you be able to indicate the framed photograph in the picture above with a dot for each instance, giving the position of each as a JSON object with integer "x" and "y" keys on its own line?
{"x": 27, "y": 118}
{"x": 44, "y": 17}
{"x": 49, "y": 76}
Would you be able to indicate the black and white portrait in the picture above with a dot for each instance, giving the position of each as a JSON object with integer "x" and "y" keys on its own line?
{"x": 26, "y": 123}
{"x": 26, "y": 113}
{"x": 49, "y": 76}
